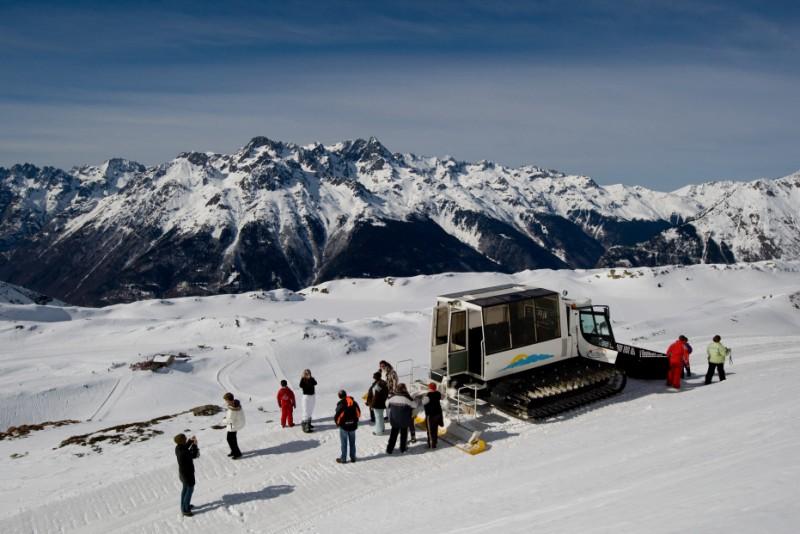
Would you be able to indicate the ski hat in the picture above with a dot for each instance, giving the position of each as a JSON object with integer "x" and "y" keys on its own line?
{"x": 376, "y": 375}
{"x": 432, "y": 386}
{"x": 683, "y": 338}
{"x": 237, "y": 404}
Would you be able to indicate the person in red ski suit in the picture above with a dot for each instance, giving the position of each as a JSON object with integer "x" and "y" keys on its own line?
{"x": 677, "y": 355}
{"x": 286, "y": 403}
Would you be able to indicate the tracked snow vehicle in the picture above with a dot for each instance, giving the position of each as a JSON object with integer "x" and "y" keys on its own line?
{"x": 531, "y": 352}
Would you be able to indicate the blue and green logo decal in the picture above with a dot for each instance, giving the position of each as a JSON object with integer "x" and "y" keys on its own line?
{"x": 526, "y": 359}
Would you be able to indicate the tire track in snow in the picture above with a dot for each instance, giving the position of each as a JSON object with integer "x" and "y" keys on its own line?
{"x": 273, "y": 362}
{"x": 112, "y": 398}
{"x": 223, "y": 374}
{"x": 281, "y": 486}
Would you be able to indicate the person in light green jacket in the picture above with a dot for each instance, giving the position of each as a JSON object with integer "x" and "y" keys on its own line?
{"x": 717, "y": 352}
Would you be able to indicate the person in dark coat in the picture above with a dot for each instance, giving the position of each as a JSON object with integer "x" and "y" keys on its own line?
{"x": 376, "y": 400}
{"x": 400, "y": 406}
{"x": 432, "y": 401}
{"x": 307, "y": 386}
{"x": 687, "y": 368}
{"x": 346, "y": 418}
{"x": 186, "y": 451}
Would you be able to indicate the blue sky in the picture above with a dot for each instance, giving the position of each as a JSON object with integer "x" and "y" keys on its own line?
{"x": 655, "y": 93}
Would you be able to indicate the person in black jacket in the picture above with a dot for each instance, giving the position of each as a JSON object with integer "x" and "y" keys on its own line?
{"x": 376, "y": 400}
{"x": 432, "y": 401}
{"x": 186, "y": 451}
{"x": 400, "y": 413}
{"x": 346, "y": 417}
{"x": 307, "y": 385}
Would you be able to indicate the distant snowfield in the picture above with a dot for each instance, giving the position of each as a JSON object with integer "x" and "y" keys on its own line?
{"x": 718, "y": 458}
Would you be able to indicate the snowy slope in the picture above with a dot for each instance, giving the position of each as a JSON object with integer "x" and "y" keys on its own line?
{"x": 11, "y": 294}
{"x": 705, "y": 459}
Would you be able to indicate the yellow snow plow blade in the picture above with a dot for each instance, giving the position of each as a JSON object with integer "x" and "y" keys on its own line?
{"x": 458, "y": 436}
{"x": 473, "y": 445}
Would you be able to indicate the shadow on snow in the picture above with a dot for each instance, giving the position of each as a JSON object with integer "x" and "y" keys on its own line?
{"x": 291, "y": 446}
{"x": 232, "y": 499}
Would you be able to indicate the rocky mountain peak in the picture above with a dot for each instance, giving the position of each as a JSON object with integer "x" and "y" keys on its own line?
{"x": 365, "y": 149}
{"x": 263, "y": 142}
{"x": 199, "y": 159}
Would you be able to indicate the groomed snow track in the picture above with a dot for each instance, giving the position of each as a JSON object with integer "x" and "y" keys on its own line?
{"x": 557, "y": 388}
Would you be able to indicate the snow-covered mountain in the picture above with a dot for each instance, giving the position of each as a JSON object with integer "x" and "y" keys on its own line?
{"x": 277, "y": 214}
{"x": 748, "y": 221}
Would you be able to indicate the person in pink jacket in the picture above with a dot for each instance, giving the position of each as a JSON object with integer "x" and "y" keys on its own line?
{"x": 286, "y": 403}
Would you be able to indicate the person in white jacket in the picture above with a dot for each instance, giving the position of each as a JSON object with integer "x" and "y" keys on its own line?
{"x": 234, "y": 421}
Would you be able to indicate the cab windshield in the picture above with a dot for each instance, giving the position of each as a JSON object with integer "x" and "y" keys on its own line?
{"x": 596, "y": 326}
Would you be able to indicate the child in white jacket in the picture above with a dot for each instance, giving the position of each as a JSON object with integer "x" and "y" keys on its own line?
{"x": 234, "y": 421}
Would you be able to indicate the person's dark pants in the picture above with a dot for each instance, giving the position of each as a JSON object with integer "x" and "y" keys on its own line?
{"x": 186, "y": 498}
{"x": 393, "y": 439}
{"x": 433, "y": 422}
{"x": 372, "y": 415}
{"x": 232, "y": 443}
{"x": 710, "y": 374}
{"x": 347, "y": 437}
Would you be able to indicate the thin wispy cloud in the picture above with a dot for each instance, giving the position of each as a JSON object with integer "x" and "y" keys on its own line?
{"x": 659, "y": 93}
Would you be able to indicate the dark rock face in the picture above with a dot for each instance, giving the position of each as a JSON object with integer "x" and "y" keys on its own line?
{"x": 557, "y": 233}
{"x": 505, "y": 245}
{"x": 682, "y": 246}
{"x": 400, "y": 248}
{"x": 620, "y": 232}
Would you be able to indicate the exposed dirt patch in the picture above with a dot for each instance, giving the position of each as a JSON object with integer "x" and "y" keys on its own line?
{"x": 206, "y": 409}
{"x": 131, "y": 432}
{"x": 794, "y": 298}
{"x": 20, "y": 431}
{"x": 123, "y": 434}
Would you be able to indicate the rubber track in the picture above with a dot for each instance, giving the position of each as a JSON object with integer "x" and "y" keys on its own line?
{"x": 557, "y": 388}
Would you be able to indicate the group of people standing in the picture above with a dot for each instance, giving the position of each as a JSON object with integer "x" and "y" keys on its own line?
{"x": 678, "y": 360}
{"x": 386, "y": 394}
{"x": 186, "y": 449}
